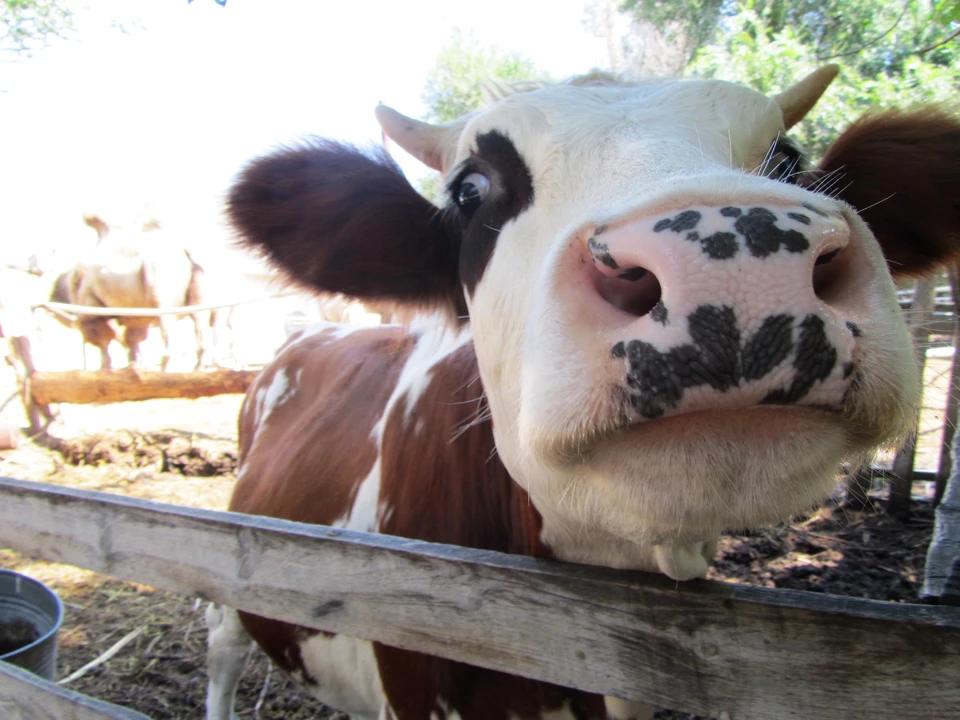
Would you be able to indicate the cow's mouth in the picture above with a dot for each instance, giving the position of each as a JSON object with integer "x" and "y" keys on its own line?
{"x": 704, "y": 430}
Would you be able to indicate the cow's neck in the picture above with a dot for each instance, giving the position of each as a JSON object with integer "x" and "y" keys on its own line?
{"x": 441, "y": 479}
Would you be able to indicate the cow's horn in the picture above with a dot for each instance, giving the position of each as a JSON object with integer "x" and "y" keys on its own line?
{"x": 432, "y": 145}
{"x": 795, "y": 102}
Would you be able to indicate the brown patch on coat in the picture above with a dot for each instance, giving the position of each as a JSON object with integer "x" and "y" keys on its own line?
{"x": 317, "y": 445}
{"x": 444, "y": 483}
{"x": 900, "y": 170}
{"x": 307, "y": 461}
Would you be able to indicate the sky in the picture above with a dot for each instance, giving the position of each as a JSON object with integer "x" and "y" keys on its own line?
{"x": 153, "y": 105}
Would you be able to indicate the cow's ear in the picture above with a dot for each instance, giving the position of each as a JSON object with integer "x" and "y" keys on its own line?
{"x": 338, "y": 220}
{"x": 901, "y": 171}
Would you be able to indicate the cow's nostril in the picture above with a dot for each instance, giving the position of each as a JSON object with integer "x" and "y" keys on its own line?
{"x": 827, "y": 272}
{"x": 828, "y": 256}
{"x": 635, "y": 291}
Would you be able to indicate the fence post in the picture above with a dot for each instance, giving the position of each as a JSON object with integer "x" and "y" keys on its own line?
{"x": 944, "y": 548}
{"x": 901, "y": 481}
{"x": 953, "y": 394}
{"x": 21, "y": 358}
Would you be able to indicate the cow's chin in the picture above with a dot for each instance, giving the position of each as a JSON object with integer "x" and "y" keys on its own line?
{"x": 687, "y": 478}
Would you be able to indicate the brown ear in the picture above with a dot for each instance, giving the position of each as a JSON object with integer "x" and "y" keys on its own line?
{"x": 901, "y": 171}
{"x": 338, "y": 220}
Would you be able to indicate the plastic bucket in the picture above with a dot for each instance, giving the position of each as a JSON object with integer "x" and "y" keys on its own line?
{"x": 30, "y": 617}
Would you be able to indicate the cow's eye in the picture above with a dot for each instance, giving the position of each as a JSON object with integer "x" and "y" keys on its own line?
{"x": 784, "y": 162}
{"x": 471, "y": 192}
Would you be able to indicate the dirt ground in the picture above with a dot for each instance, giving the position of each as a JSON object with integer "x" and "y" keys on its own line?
{"x": 183, "y": 451}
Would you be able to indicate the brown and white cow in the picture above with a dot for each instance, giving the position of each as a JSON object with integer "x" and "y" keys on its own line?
{"x": 141, "y": 269}
{"x": 651, "y": 328}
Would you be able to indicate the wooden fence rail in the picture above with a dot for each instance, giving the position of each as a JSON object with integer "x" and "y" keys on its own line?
{"x": 89, "y": 386}
{"x": 701, "y": 646}
{"x": 24, "y": 696}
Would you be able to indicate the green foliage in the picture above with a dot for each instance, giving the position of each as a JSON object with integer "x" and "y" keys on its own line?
{"x": 455, "y": 83}
{"x": 947, "y": 11}
{"x": 27, "y": 24}
{"x": 882, "y": 47}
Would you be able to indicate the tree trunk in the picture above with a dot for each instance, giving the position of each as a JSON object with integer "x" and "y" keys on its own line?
{"x": 901, "y": 481}
{"x": 85, "y": 386}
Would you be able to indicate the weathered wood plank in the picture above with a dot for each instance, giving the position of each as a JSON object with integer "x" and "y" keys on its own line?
{"x": 698, "y": 646}
{"x": 24, "y": 696}
{"x": 86, "y": 386}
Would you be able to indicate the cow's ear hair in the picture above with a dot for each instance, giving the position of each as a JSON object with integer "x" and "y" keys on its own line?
{"x": 339, "y": 220}
{"x": 901, "y": 171}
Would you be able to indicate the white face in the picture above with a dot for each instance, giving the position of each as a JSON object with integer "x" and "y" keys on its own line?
{"x": 671, "y": 344}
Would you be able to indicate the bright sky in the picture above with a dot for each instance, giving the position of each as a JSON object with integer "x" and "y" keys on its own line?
{"x": 166, "y": 112}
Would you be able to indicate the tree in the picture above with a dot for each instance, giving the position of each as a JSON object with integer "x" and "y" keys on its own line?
{"x": 634, "y": 47}
{"x": 890, "y": 52}
{"x": 691, "y": 23}
{"x": 455, "y": 84}
{"x": 28, "y": 24}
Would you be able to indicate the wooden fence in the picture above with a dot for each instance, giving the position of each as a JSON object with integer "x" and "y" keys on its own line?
{"x": 701, "y": 647}
{"x": 38, "y": 390}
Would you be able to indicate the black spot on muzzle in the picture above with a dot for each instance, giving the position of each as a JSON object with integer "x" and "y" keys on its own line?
{"x": 717, "y": 358}
{"x": 758, "y": 228}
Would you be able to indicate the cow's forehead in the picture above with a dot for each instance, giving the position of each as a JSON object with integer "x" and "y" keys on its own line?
{"x": 716, "y": 115}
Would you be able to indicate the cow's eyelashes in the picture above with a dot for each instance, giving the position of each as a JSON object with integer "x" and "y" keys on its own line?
{"x": 785, "y": 162}
{"x": 471, "y": 191}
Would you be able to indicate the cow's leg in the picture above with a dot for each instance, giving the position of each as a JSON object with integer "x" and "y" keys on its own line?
{"x": 165, "y": 322}
{"x": 99, "y": 333}
{"x": 132, "y": 337}
{"x": 228, "y": 647}
{"x": 618, "y": 709}
{"x": 203, "y": 332}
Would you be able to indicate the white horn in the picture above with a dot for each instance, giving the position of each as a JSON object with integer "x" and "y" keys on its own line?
{"x": 795, "y": 102}
{"x": 433, "y": 145}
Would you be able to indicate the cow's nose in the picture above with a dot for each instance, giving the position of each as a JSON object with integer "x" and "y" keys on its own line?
{"x": 725, "y": 306}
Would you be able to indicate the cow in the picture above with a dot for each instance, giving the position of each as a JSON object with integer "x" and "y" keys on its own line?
{"x": 648, "y": 320}
{"x": 134, "y": 270}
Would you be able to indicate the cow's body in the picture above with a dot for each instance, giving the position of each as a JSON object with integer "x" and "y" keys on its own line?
{"x": 662, "y": 344}
{"x": 134, "y": 270}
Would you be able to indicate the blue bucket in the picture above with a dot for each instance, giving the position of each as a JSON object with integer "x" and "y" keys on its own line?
{"x": 30, "y": 617}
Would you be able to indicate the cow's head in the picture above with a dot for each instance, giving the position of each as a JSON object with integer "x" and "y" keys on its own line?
{"x": 677, "y": 333}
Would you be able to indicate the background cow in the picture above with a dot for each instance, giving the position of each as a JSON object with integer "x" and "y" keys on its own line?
{"x": 135, "y": 270}
{"x": 650, "y": 327}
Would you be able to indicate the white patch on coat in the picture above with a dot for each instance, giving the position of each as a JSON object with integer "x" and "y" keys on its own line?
{"x": 335, "y": 331}
{"x": 435, "y": 342}
{"x": 346, "y": 674}
{"x": 363, "y": 513}
{"x": 618, "y": 709}
{"x": 274, "y": 395}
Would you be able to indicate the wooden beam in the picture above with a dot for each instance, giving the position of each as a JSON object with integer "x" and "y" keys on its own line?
{"x": 25, "y": 696}
{"x": 700, "y": 647}
{"x": 86, "y": 386}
